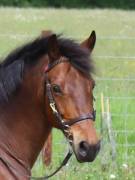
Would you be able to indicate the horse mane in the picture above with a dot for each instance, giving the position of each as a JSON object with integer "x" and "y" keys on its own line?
{"x": 12, "y": 67}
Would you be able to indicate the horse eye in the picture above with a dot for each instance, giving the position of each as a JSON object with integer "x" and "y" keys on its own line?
{"x": 56, "y": 88}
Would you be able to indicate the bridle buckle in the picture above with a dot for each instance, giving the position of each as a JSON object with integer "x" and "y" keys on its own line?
{"x": 53, "y": 107}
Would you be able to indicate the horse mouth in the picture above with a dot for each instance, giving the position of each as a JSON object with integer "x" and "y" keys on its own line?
{"x": 85, "y": 159}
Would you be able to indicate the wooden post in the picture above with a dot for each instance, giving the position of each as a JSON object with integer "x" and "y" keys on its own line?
{"x": 104, "y": 160}
{"x": 110, "y": 131}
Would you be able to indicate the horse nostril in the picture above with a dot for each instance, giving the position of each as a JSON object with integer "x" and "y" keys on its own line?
{"x": 83, "y": 148}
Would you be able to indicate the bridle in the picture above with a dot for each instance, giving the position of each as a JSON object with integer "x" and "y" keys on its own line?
{"x": 63, "y": 123}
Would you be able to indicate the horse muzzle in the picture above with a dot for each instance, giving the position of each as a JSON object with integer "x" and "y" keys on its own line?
{"x": 87, "y": 152}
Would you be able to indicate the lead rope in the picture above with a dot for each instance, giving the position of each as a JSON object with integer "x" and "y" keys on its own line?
{"x": 64, "y": 162}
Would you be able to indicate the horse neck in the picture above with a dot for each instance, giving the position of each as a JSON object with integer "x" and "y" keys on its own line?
{"x": 23, "y": 128}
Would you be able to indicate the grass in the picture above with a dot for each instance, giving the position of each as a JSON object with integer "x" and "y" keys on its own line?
{"x": 17, "y": 26}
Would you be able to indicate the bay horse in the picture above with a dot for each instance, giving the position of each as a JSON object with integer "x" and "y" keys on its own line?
{"x": 45, "y": 84}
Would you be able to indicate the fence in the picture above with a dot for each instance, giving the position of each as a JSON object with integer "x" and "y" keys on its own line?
{"x": 118, "y": 130}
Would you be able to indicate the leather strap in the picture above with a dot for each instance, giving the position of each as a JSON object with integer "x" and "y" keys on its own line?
{"x": 52, "y": 65}
{"x": 9, "y": 165}
{"x": 90, "y": 116}
{"x": 64, "y": 162}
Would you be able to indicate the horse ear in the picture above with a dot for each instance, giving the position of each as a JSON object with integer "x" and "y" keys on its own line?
{"x": 90, "y": 42}
{"x": 53, "y": 48}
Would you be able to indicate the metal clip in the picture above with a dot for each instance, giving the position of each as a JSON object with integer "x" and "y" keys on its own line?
{"x": 53, "y": 107}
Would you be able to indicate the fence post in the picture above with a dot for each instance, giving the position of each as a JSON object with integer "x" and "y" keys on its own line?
{"x": 110, "y": 131}
{"x": 108, "y": 143}
{"x": 104, "y": 141}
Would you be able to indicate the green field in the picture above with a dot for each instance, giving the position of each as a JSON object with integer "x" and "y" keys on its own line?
{"x": 114, "y": 58}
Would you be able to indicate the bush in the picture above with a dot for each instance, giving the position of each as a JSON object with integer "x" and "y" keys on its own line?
{"x": 126, "y": 4}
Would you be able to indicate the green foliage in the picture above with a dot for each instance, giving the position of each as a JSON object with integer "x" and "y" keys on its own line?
{"x": 126, "y": 4}
{"x": 23, "y": 3}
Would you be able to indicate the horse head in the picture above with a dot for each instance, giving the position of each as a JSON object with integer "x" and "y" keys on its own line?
{"x": 71, "y": 100}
